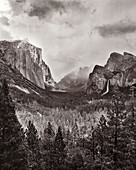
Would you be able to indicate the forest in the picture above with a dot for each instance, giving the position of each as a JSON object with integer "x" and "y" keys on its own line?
{"x": 100, "y": 135}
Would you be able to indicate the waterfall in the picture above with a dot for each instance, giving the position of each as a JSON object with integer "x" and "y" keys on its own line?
{"x": 107, "y": 88}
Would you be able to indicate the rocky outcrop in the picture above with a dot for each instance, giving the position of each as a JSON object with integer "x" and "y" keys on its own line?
{"x": 27, "y": 59}
{"x": 75, "y": 81}
{"x": 120, "y": 70}
{"x": 118, "y": 62}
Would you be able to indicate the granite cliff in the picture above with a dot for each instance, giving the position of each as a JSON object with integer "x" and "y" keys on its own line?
{"x": 27, "y": 59}
{"x": 120, "y": 70}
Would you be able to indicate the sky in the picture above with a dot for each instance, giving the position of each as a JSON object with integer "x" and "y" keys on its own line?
{"x": 71, "y": 33}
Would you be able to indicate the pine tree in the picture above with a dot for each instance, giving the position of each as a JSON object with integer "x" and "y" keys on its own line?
{"x": 48, "y": 148}
{"x": 48, "y": 136}
{"x": 68, "y": 137}
{"x": 33, "y": 146}
{"x": 75, "y": 133}
{"x": 116, "y": 142}
{"x": 12, "y": 148}
{"x": 59, "y": 148}
{"x": 128, "y": 132}
{"x": 59, "y": 143}
{"x": 100, "y": 142}
{"x": 93, "y": 143}
{"x": 132, "y": 150}
{"x": 83, "y": 132}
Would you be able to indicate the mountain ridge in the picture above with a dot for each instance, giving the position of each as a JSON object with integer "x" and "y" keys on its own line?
{"x": 27, "y": 58}
{"x": 75, "y": 80}
{"x": 120, "y": 70}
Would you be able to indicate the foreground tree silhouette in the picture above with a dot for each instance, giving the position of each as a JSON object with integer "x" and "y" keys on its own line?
{"x": 12, "y": 150}
{"x": 47, "y": 145}
{"x": 48, "y": 136}
{"x": 59, "y": 149}
{"x": 33, "y": 146}
{"x": 101, "y": 135}
{"x": 119, "y": 142}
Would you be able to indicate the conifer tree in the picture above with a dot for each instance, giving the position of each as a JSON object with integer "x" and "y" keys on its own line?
{"x": 33, "y": 146}
{"x": 12, "y": 148}
{"x": 48, "y": 147}
{"x": 93, "y": 143}
{"x": 75, "y": 132}
{"x": 68, "y": 137}
{"x": 59, "y": 148}
{"x": 48, "y": 133}
{"x": 50, "y": 130}
{"x": 59, "y": 143}
{"x": 101, "y": 158}
{"x": 117, "y": 114}
{"x": 129, "y": 132}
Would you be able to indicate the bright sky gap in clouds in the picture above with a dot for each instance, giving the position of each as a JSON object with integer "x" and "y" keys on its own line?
{"x": 72, "y": 33}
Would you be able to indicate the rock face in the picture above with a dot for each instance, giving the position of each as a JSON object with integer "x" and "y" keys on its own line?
{"x": 28, "y": 60}
{"x": 75, "y": 80}
{"x": 120, "y": 70}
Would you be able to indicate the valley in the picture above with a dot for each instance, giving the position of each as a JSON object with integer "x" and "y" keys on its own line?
{"x": 78, "y": 129}
{"x": 67, "y": 84}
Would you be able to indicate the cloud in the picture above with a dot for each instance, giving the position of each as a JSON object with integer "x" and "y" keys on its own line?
{"x": 68, "y": 24}
{"x": 43, "y": 8}
{"x": 115, "y": 29}
{"x": 73, "y": 33}
{"x": 63, "y": 65}
{"x": 5, "y": 35}
{"x": 4, "y": 20}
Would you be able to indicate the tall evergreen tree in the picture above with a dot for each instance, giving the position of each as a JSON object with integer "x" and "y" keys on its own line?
{"x": 68, "y": 137}
{"x": 129, "y": 133}
{"x": 75, "y": 133}
{"x": 92, "y": 144}
{"x": 48, "y": 148}
{"x": 116, "y": 132}
{"x": 103, "y": 157}
{"x": 12, "y": 149}
{"x": 59, "y": 143}
{"x": 59, "y": 148}
{"x": 48, "y": 135}
{"x": 33, "y": 146}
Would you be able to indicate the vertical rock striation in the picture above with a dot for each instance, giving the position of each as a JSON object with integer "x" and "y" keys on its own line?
{"x": 27, "y": 59}
{"x": 120, "y": 70}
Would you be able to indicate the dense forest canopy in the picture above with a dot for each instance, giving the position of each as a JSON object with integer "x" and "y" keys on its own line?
{"x": 97, "y": 135}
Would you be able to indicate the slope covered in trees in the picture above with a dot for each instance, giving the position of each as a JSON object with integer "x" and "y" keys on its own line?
{"x": 12, "y": 149}
{"x": 98, "y": 135}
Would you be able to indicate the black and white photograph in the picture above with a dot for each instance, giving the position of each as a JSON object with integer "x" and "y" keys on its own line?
{"x": 67, "y": 84}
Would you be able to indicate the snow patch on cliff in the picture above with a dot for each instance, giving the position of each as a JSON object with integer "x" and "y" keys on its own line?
{"x": 35, "y": 92}
{"x": 20, "y": 88}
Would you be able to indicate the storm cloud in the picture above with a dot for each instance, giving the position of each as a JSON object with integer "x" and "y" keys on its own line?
{"x": 43, "y": 8}
{"x": 116, "y": 29}
{"x": 72, "y": 33}
{"x": 4, "y": 20}
{"x": 46, "y": 7}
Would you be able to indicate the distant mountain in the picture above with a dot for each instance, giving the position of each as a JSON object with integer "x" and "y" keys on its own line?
{"x": 119, "y": 71}
{"x": 27, "y": 59}
{"x": 75, "y": 81}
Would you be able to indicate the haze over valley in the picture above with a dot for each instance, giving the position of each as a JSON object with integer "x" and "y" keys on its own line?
{"x": 67, "y": 85}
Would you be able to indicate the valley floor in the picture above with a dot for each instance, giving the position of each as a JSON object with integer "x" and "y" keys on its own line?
{"x": 69, "y": 131}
